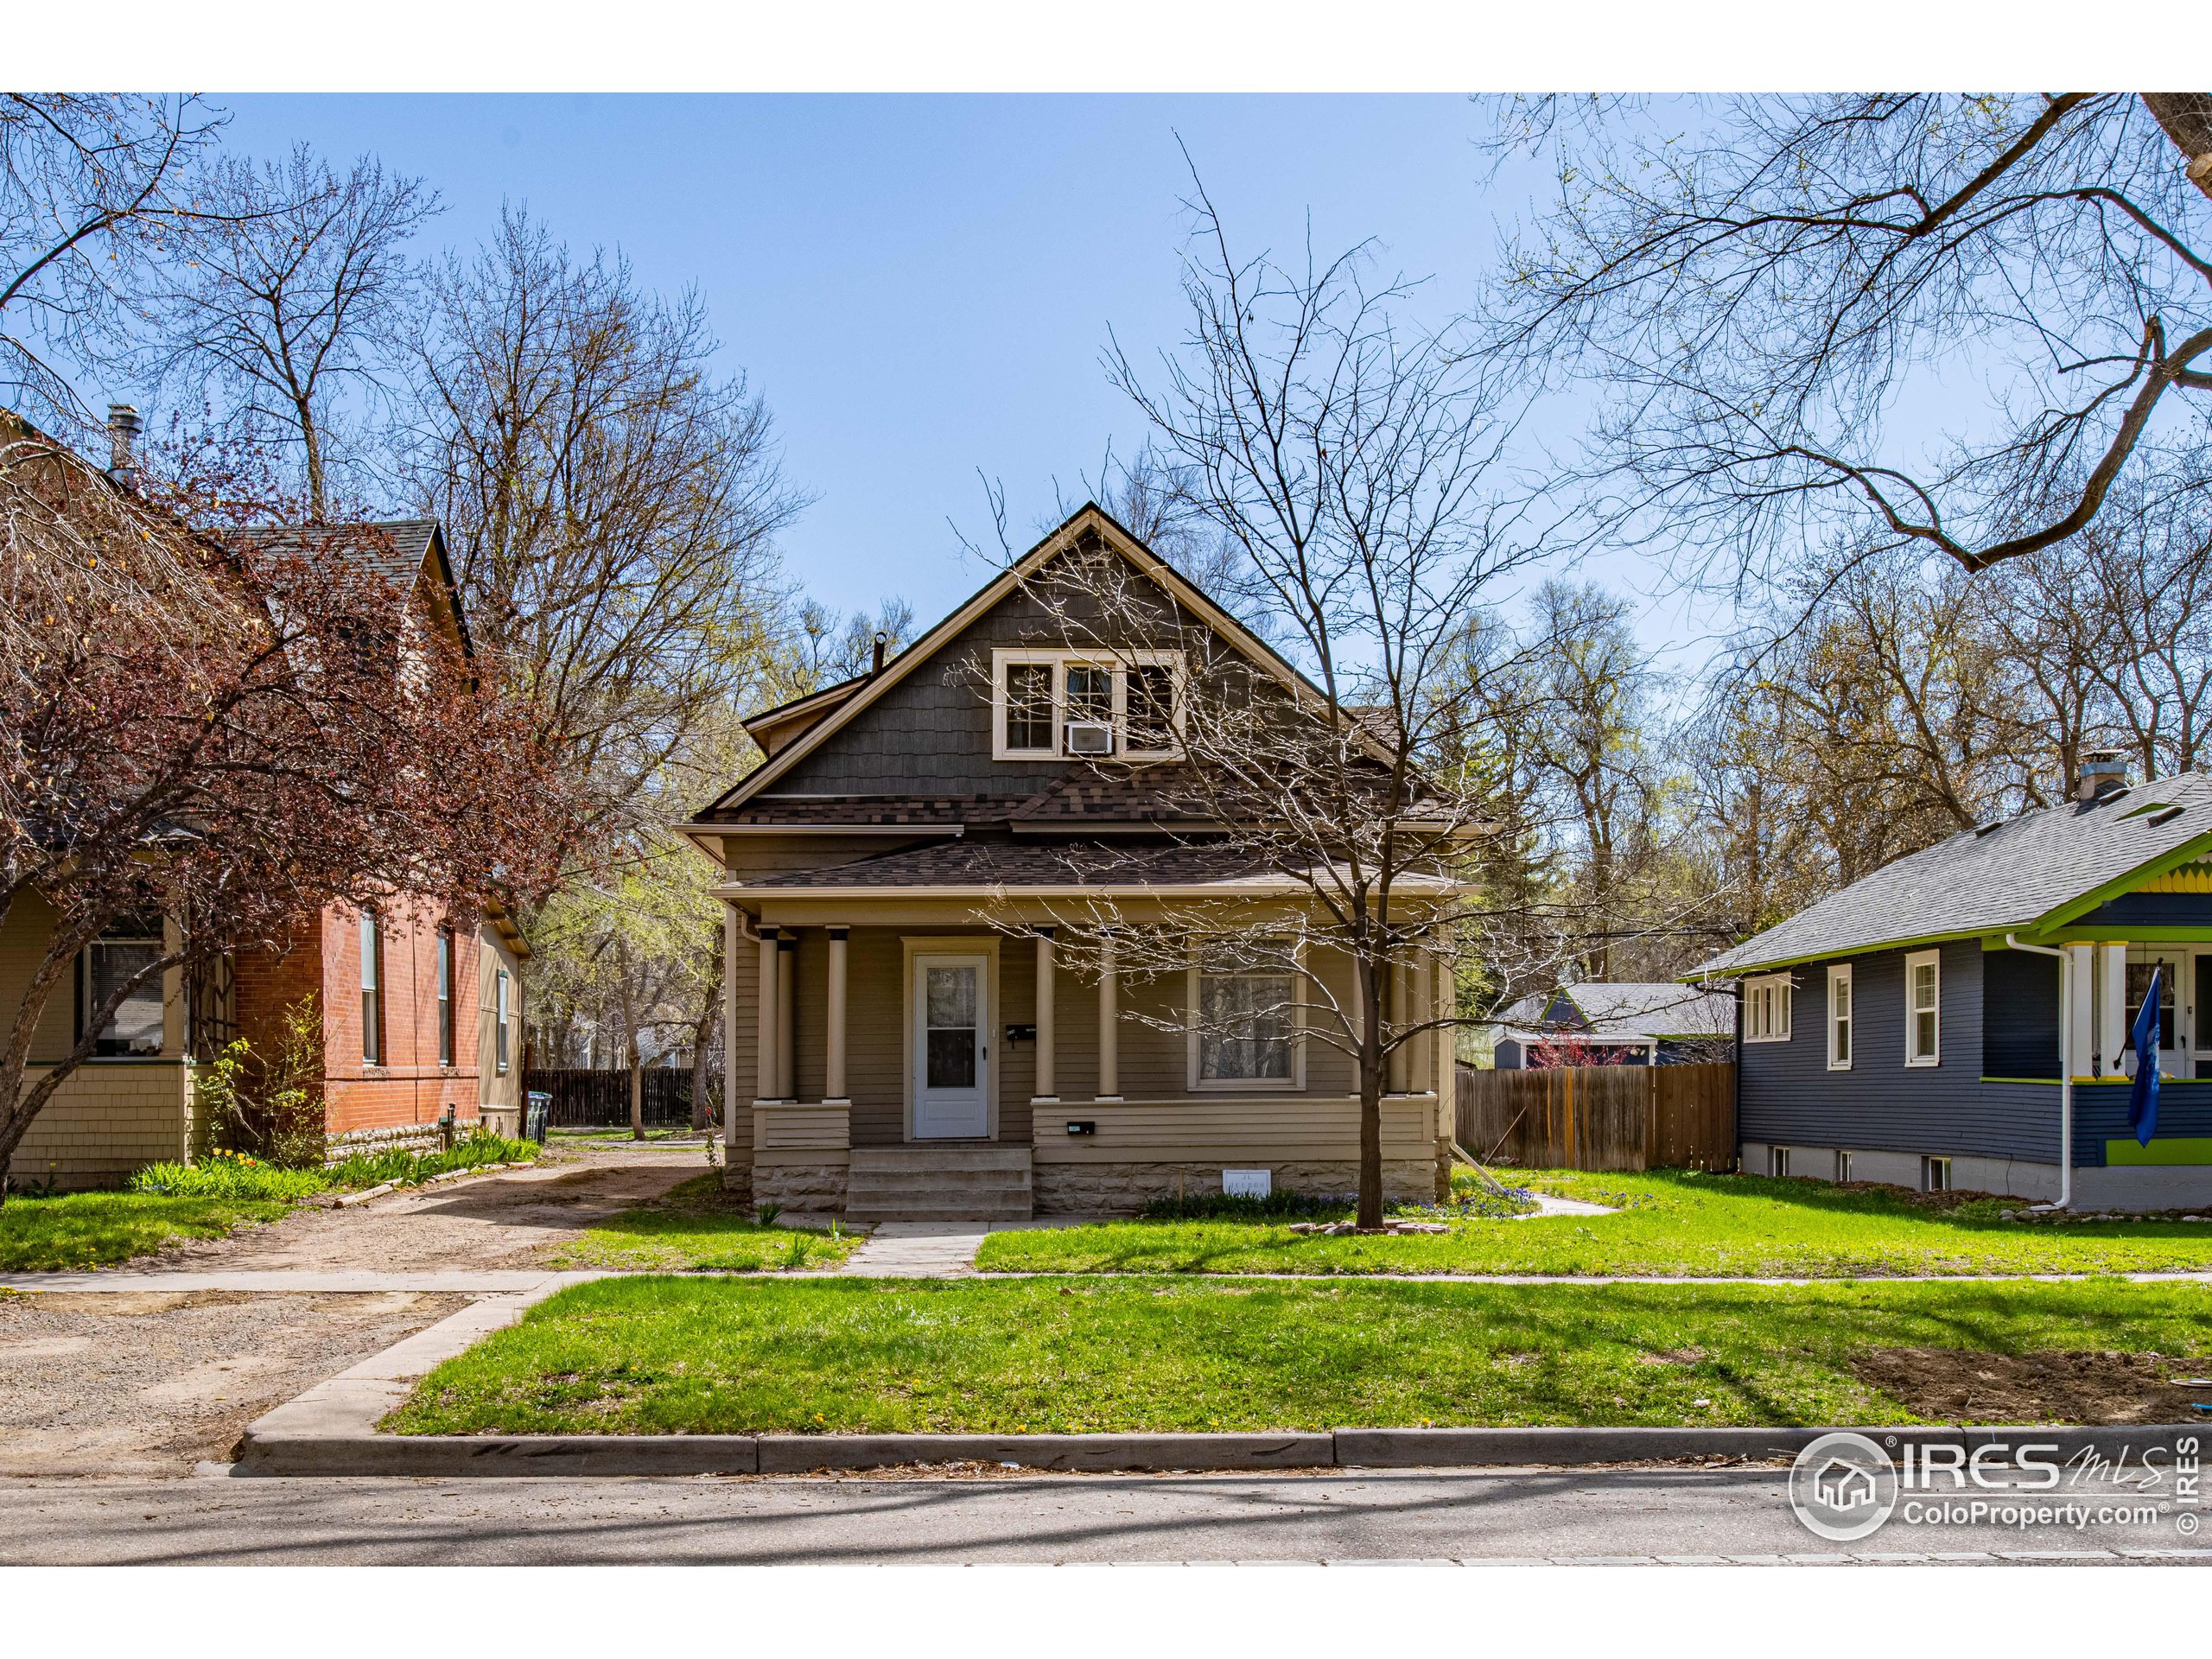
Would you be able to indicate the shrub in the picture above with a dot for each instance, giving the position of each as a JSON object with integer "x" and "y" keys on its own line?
{"x": 228, "y": 1175}
{"x": 1282, "y": 1205}
{"x": 397, "y": 1165}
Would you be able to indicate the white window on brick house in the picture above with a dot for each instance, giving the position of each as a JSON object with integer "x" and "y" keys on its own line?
{"x": 1923, "y": 998}
{"x": 499, "y": 1016}
{"x": 372, "y": 989}
{"x": 1840, "y": 1018}
{"x": 1766, "y": 1008}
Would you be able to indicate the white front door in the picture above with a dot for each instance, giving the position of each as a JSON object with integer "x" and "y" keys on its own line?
{"x": 951, "y": 1047}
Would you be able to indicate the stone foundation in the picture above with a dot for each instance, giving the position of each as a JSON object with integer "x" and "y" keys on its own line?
{"x": 805, "y": 1189}
{"x": 1119, "y": 1189}
{"x": 405, "y": 1137}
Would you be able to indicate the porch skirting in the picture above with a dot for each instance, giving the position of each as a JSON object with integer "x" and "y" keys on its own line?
{"x": 1105, "y": 1189}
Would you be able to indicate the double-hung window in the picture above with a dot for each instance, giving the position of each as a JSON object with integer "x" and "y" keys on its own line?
{"x": 1924, "y": 997}
{"x": 134, "y": 1030}
{"x": 1840, "y": 1018}
{"x": 1037, "y": 696}
{"x": 372, "y": 989}
{"x": 445, "y": 996}
{"x": 1766, "y": 1008}
{"x": 1244, "y": 1026}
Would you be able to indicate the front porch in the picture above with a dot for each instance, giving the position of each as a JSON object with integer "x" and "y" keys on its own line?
{"x": 1041, "y": 1089}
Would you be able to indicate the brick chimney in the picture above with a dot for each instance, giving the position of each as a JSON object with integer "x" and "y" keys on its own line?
{"x": 122, "y": 429}
{"x": 2103, "y": 772}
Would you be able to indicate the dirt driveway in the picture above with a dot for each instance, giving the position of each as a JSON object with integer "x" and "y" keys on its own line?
{"x": 506, "y": 1221}
{"x": 114, "y": 1383}
{"x": 127, "y": 1383}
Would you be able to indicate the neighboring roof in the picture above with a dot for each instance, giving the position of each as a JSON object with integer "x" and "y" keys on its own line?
{"x": 397, "y": 553}
{"x": 2038, "y": 870}
{"x": 810, "y": 810}
{"x": 1627, "y": 1010}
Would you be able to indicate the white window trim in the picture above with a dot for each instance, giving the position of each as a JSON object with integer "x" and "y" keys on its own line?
{"x": 1060, "y": 660}
{"x": 1780, "y": 983}
{"x": 1841, "y": 976}
{"x": 1914, "y": 959}
{"x": 1296, "y": 1084}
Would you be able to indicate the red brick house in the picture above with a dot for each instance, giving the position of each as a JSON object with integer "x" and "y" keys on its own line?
{"x": 417, "y": 1018}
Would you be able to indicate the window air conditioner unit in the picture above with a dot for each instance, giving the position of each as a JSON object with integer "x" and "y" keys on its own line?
{"x": 1091, "y": 737}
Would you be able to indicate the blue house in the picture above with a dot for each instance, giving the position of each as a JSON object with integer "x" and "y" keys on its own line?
{"x": 1961, "y": 1017}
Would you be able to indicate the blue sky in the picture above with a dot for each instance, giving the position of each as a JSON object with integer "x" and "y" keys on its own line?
{"x": 922, "y": 286}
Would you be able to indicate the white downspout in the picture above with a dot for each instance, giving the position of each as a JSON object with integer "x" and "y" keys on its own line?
{"x": 2065, "y": 1200}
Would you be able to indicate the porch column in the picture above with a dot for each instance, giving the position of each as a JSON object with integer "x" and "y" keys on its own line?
{"x": 786, "y": 1012}
{"x": 1047, "y": 1086}
{"x": 1422, "y": 1051}
{"x": 2113, "y": 1012}
{"x": 1395, "y": 1003}
{"x": 764, "y": 1056}
{"x": 1110, "y": 1012}
{"x": 2082, "y": 1015}
{"x": 733, "y": 938}
{"x": 833, "y": 1065}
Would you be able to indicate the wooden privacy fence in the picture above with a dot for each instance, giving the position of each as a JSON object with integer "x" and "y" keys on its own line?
{"x": 601, "y": 1100}
{"x": 1600, "y": 1117}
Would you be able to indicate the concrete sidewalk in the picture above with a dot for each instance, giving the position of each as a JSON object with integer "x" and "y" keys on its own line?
{"x": 299, "y": 1282}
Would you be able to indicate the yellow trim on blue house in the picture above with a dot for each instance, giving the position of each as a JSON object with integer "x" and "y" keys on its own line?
{"x": 2179, "y": 1149}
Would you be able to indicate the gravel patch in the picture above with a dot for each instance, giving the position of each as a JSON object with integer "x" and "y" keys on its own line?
{"x": 129, "y": 1383}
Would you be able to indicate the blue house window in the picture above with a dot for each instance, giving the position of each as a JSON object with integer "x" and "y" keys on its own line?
{"x": 1924, "y": 995}
{"x": 1766, "y": 1008}
{"x": 1840, "y": 1018}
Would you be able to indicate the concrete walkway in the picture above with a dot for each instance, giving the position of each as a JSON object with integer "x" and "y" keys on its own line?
{"x": 917, "y": 1250}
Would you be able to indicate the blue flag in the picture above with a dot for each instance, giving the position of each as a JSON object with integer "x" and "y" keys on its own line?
{"x": 2143, "y": 1100}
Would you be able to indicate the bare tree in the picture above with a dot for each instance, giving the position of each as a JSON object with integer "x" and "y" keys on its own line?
{"x": 292, "y": 293}
{"x": 1763, "y": 286}
{"x": 94, "y": 196}
{"x": 612, "y": 504}
{"x": 1350, "y": 462}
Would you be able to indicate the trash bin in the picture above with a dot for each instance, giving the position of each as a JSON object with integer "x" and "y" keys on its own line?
{"x": 536, "y": 1103}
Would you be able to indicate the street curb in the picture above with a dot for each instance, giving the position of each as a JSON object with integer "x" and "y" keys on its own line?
{"x": 278, "y": 1452}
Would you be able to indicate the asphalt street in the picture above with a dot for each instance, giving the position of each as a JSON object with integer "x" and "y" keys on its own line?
{"x": 1581, "y": 1516}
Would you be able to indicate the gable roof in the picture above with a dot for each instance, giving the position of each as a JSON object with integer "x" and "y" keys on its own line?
{"x": 400, "y": 551}
{"x": 1626, "y": 1010}
{"x": 1090, "y": 518}
{"x": 2038, "y": 870}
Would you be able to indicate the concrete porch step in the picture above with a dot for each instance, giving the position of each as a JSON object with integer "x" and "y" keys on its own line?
{"x": 958, "y": 1183}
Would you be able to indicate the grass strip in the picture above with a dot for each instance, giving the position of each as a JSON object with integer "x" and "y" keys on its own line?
{"x": 93, "y": 1230}
{"x": 1666, "y": 1222}
{"x": 697, "y": 1227}
{"x": 668, "y": 1356}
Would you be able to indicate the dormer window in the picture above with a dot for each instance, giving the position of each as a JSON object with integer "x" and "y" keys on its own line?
{"x": 1115, "y": 705}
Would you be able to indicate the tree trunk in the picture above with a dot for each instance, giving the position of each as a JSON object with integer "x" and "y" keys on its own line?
{"x": 709, "y": 1005}
{"x": 1371, "y": 1063}
{"x": 637, "y": 1094}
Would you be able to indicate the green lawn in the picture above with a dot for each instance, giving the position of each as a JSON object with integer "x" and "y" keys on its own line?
{"x": 91, "y": 1229}
{"x": 669, "y": 1355}
{"x": 696, "y": 1227}
{"x": 1669, "y": 1221}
